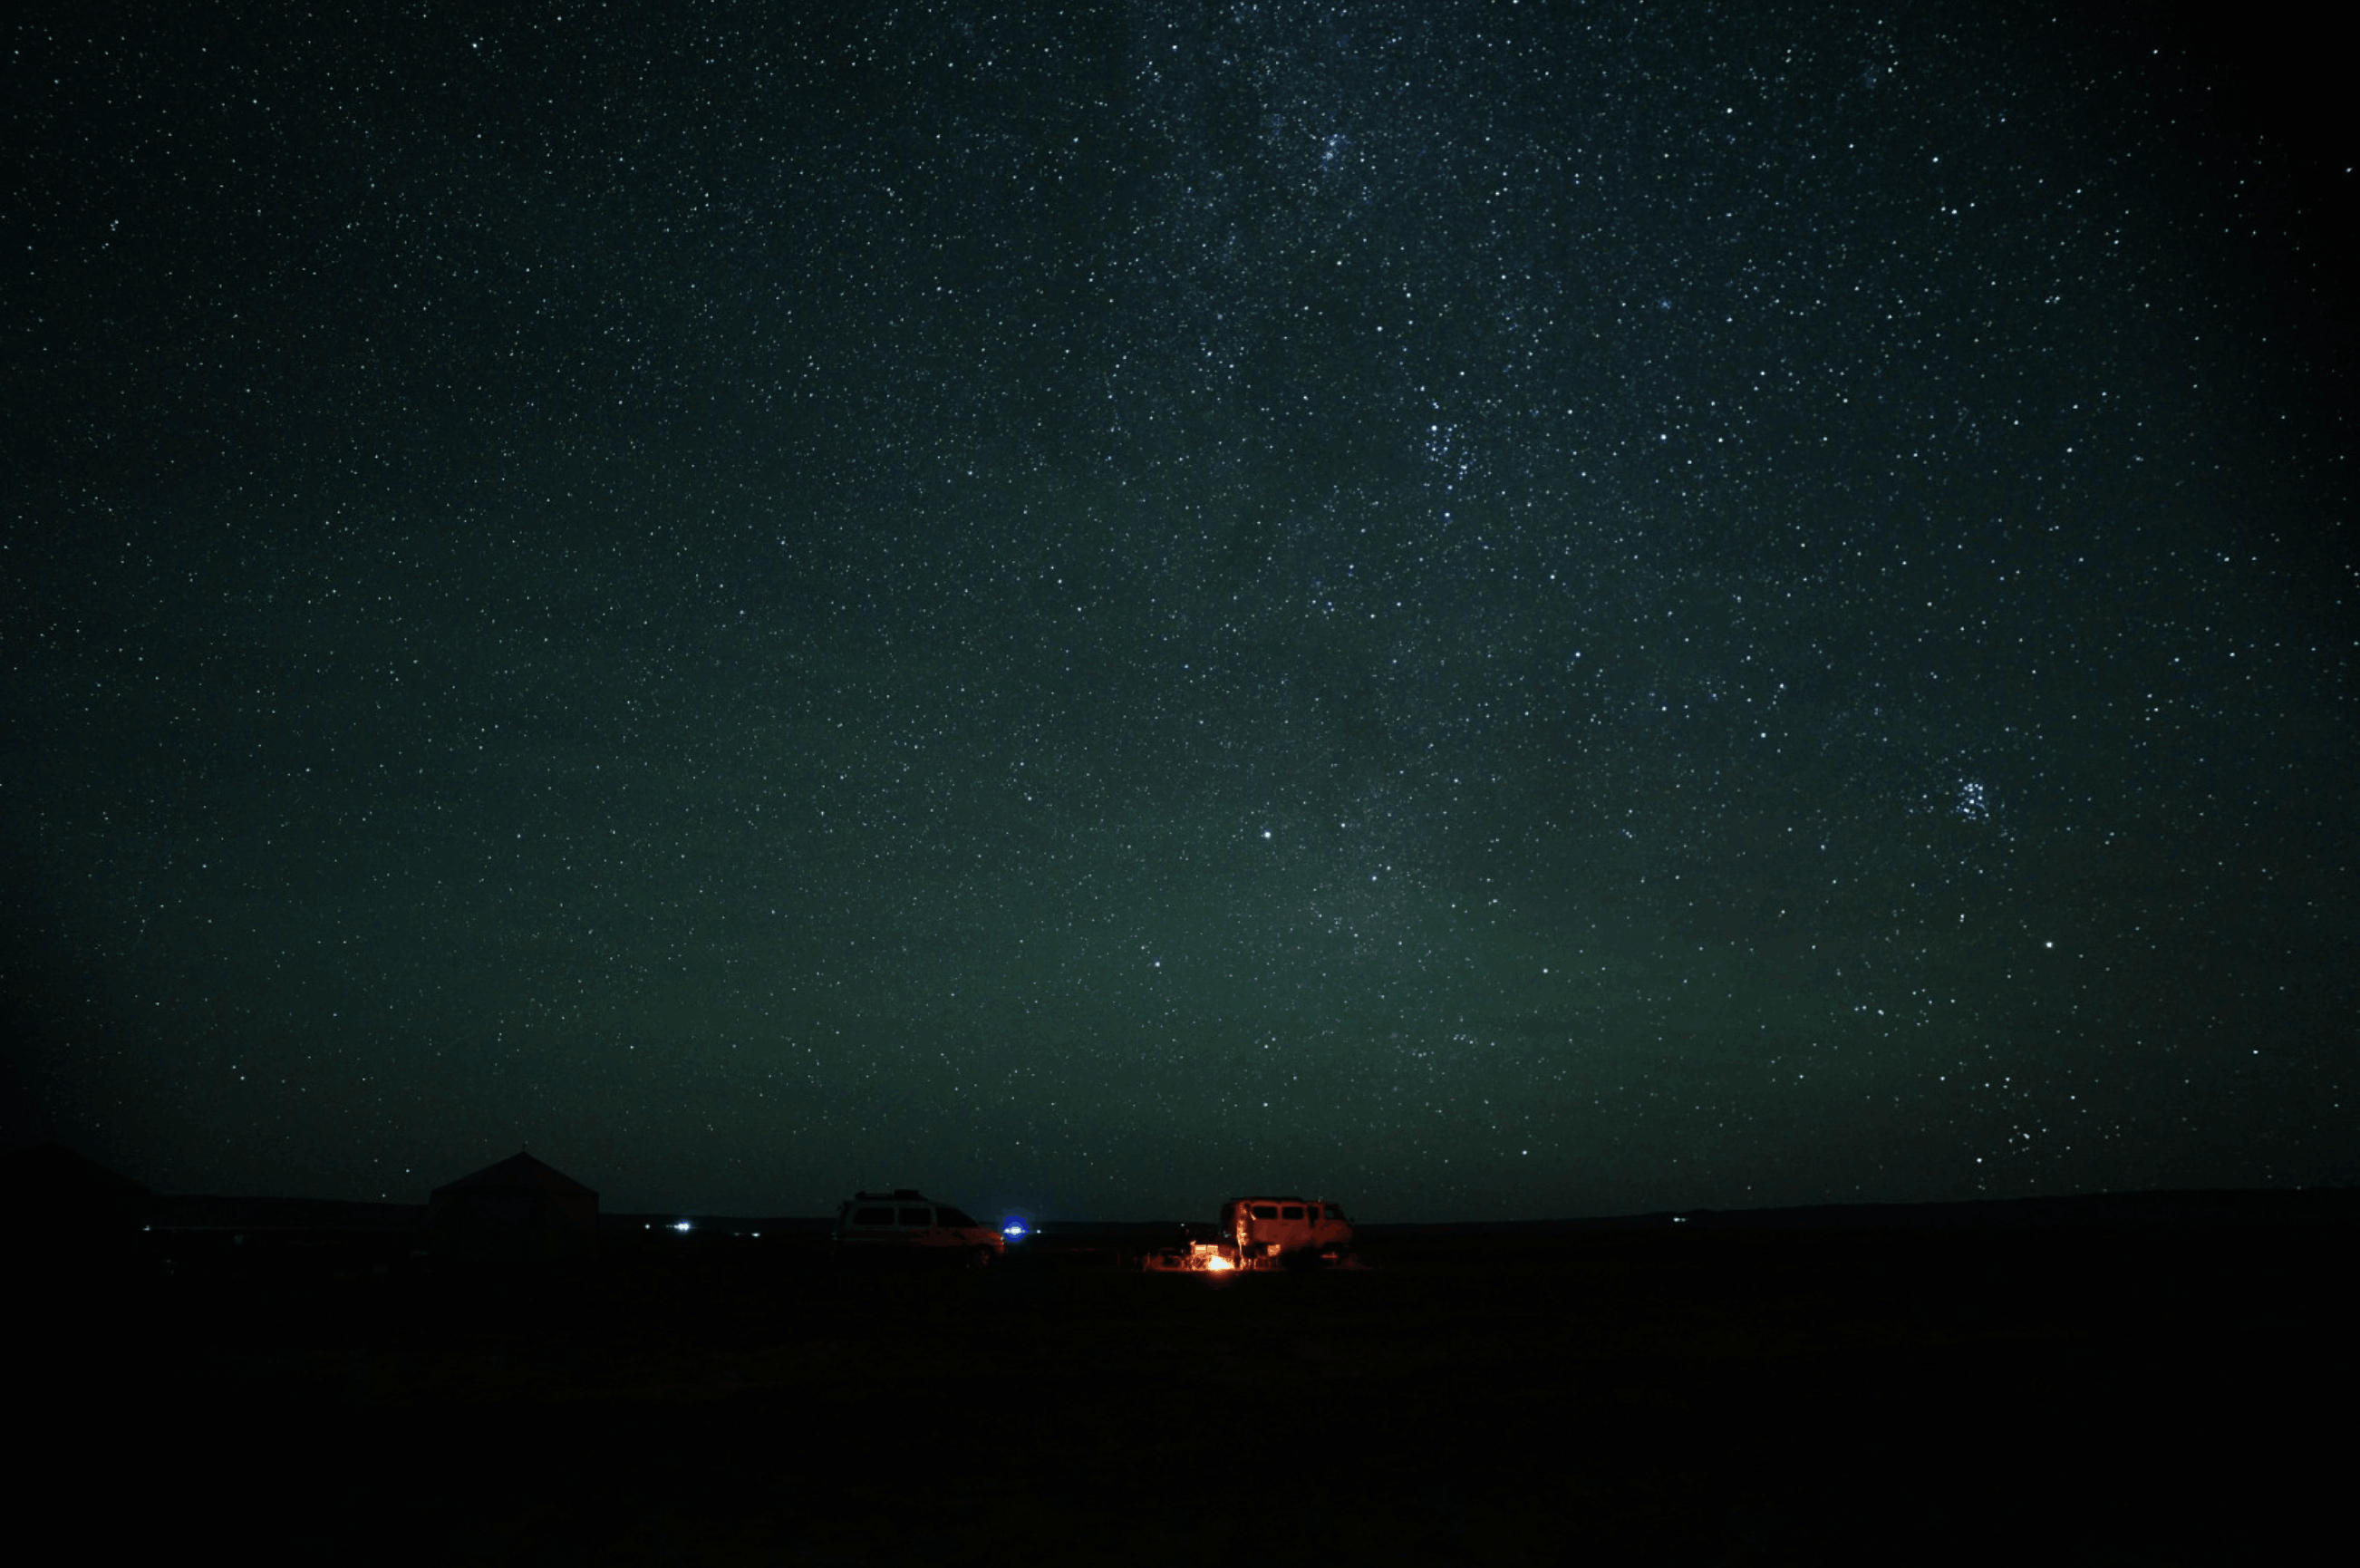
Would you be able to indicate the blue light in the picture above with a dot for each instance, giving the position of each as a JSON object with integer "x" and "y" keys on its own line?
{"x": 1012, "y": 1226}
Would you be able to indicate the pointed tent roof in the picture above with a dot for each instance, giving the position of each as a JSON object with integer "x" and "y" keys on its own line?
{"x": 518, "y": 1173}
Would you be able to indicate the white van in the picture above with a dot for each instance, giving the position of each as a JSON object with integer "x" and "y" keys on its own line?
{"x": 1263, "y": 1233}
{"x": 1269, "y": 1231}
{"x": 904, "y": 1221}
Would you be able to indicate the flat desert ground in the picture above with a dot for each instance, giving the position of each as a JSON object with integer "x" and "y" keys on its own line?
{"x": 2147, "y": 1395}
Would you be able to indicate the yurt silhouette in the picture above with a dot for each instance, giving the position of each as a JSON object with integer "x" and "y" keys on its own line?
{"x": 518, "y": 1210}
{"x": 69, "y": 1209}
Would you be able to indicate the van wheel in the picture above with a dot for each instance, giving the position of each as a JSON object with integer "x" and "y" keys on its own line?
{"x": 980, "y": 1258}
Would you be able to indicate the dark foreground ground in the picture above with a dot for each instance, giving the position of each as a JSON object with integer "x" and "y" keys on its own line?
{"x": 2090, "y": 1395}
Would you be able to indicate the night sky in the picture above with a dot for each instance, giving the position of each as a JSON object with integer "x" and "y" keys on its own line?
{"x": 1491, "y": 610}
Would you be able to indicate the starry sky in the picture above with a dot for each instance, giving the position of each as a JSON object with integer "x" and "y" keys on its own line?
{"x": 1493, "y": 610}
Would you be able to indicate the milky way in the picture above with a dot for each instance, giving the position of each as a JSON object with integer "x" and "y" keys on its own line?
{"x": 1490, "y": 610}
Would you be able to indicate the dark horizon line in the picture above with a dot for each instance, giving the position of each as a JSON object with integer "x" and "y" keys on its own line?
{"x": 2159, "y": 1206}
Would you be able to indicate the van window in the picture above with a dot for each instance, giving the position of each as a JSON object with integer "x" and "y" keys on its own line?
{"x": 1311, "y": 1210}
{"x": 1291, "y": 1211}
{"x": 1265, "y": 1211}
{"x": 873, "y": 1216}
{"x": 920, "y": 1217}
{"x": 950, "y": 1216}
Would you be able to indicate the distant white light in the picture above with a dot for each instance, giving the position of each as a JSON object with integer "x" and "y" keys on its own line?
{"x": 681, "y": 1225}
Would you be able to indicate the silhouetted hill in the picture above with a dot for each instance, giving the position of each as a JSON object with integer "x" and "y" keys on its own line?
{"x": 2273, "y": 1207}
{"x": 200, "y": 1212}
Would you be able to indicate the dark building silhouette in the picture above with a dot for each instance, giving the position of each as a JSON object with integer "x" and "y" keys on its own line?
{"x": 67, "y": 1210}
{"x": 518, "y": 1210}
